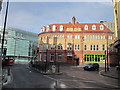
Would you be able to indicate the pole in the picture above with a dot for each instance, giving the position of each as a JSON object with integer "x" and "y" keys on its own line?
{"x": 6, "y": 13}
{"x": 105, "y": 60}
{"x": 107, "y": 55}
{"x": 4, "y": 26}
{"x": 14, "y": 49}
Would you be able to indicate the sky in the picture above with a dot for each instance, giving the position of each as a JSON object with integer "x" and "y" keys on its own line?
{"x": 31, "y": 16}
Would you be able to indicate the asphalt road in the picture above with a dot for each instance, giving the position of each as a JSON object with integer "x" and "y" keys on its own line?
{"x": 76, "y": 77}
{"x": 23, "y": 77}
{"x": 72, "y": 77}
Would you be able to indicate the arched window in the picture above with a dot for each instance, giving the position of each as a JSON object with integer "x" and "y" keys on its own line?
{"x": 52, "y": 47}
{"x": 60, "y": 46}
{"x": 53, "y": 27}
{"x": 47, "y": 28}
{"x": 86, "y": 27}
{"x": 69, "y": 46}
{"x": 101, "y": 27}
{"x": 61, "y": 27}
{"x": 93, "y": 27}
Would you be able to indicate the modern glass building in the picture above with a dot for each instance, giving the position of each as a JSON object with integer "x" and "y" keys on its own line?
{"x": 19, "y": 43}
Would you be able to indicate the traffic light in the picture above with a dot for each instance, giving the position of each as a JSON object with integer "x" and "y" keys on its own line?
{"x": 34, "y": 51}
{"x": 4, "y": 51}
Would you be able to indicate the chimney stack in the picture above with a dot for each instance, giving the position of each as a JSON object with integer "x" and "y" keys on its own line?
{"x": 73, "y": 20}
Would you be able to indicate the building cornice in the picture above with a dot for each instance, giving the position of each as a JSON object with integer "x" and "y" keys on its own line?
{"x": 77, "y": 32}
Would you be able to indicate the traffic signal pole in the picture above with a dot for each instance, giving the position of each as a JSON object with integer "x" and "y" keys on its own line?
{"x": 2, "y": 46}
{"x": 4, "y": 26}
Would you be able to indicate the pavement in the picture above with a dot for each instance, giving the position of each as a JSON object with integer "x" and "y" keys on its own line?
{"x": 112, "y": 73}
{"x": 7, "y": 77}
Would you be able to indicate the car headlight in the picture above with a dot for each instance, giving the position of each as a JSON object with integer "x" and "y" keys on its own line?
{"x": 89, "y": 66}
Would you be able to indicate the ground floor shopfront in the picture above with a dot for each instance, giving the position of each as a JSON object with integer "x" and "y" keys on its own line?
{"x": 71, "y": 57}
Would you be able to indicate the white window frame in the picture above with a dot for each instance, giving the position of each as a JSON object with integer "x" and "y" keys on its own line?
{"x": 93, "y": 27}
{"x": 47, "y": 28}
{"x": 52, "y": 47}
{"x": 77, "y": 36}
{"x": 77, "y": 47}
{"x": 61, "y": 27}
{"x": 69, "y": 36}
{"x": 60, "y": 46}
{"x": 101, "y": 27}
{"x": 86, "y": 27}
{"x": 54, "y": 28}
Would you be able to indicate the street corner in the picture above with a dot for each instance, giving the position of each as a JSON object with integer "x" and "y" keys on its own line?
{"x": 110, "y": 74}
{"x": 7, "y": 77}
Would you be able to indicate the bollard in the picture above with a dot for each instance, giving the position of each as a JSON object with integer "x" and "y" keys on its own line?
{"x": 8, "y": 71}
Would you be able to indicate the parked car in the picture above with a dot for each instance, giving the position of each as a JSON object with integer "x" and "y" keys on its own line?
{"x": 91, "y": 66}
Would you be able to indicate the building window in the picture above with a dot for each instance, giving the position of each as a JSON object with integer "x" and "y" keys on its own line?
{"x": 53, "y": 36}
{"x": 110, "y": 37}
{"x": 52, "y": 57}
{"x": 69, "y": 46}
{"x": 101, "y": 27}
{"x": 103, "y": 47}
{"x": 77, "y": 36}
{"x": 52, "y": 47}
{"x": 86, "y": 27}
{"x": 47, "y": 28}
{"x": 59, "y": 57}
{"x": 77, "y": 47}
{"x": 77, "y": 29}
{"x": 5, "y": 41}
{"x": 43, "y": 29}
{"x": 60, "y": 47}
{"x": 61, "y": 36}
{"x": 93, "y": 27}
{"x": 85, "y": 47}
{"x": 97, "y": 48}
{"x": 61, "y": 27}
{"x": 69, "y": 29}
{"x": 53, "y": 27}
{"x": 91, "y": 47}
{"x": 94, "y": 47}
{"x": 69, "y": 36}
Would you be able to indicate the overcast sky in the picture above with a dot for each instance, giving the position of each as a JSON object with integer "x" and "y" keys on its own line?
{"x": 31, "y": 16}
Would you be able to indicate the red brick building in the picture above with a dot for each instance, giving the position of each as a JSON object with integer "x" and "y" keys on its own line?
{"x": 74, "y": 42}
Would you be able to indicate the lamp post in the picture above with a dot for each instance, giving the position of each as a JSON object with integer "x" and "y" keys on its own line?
{"x": 107, "y": 55}
{"x": 105, "y": 60}
{"x": 14, "y": 48}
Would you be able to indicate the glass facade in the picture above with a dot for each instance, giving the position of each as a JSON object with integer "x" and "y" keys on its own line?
{"x": 94, "y": 57}
{"x": 19, "y": 43}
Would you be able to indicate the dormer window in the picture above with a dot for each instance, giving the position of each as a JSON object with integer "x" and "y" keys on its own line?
{"x": 86, "y": 27}
{"x": 101, "y": 27}
{"x": 43, "y": 29}
{"x": 53, "y": 27}
{"x": 47, "y": 28}
{"x": 93, "y": 27}
{"x": 61, "y": 27}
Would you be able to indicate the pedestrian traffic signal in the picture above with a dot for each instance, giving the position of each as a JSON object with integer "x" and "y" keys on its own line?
{"x": 4, "y": 51}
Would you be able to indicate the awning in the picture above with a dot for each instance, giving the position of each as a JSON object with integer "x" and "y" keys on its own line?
{"x": 69, "y": 54}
